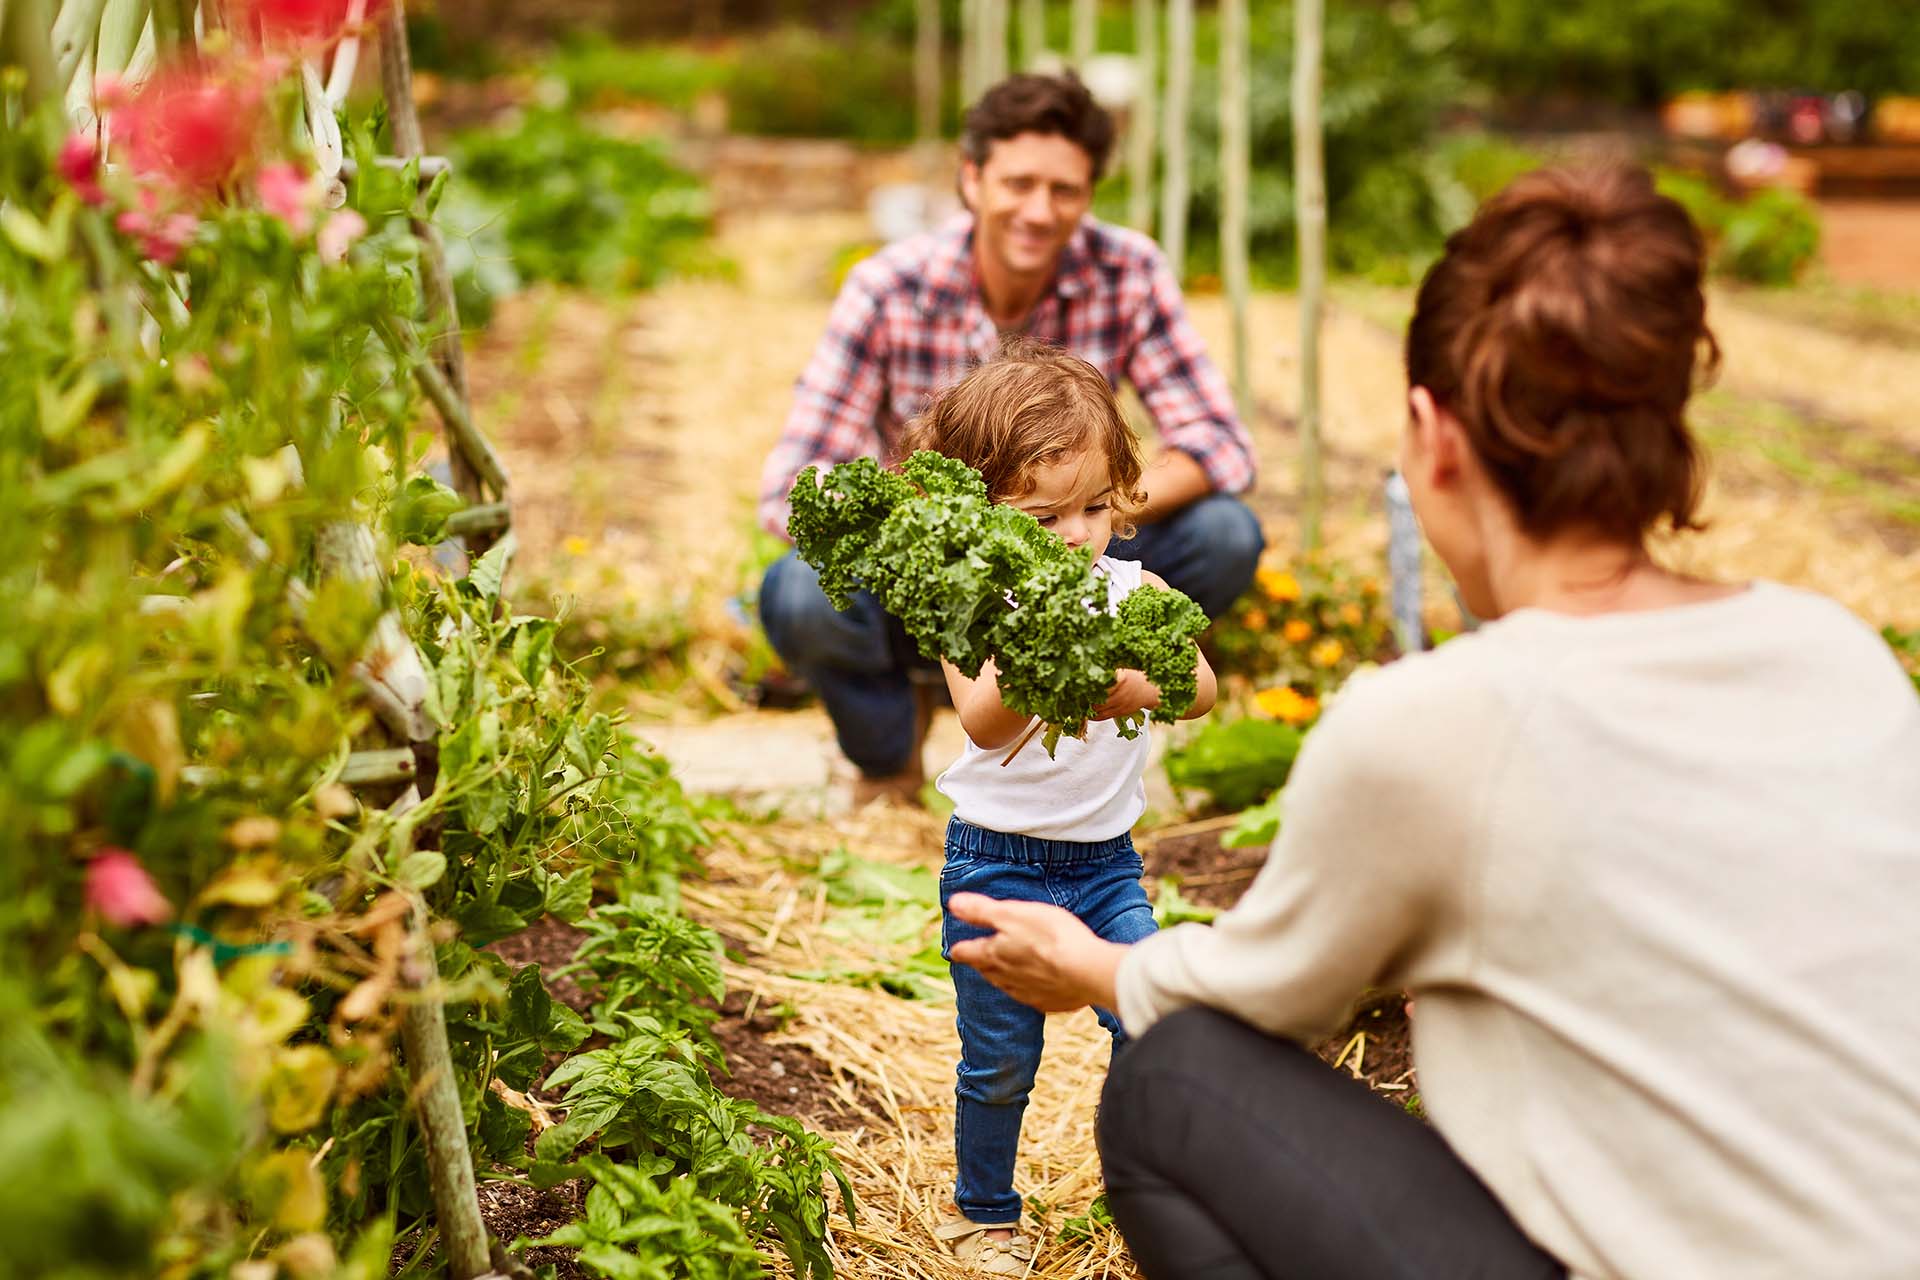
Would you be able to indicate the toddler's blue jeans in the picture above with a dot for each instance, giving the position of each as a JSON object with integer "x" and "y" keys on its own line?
{"x": 1000, "y": 1038}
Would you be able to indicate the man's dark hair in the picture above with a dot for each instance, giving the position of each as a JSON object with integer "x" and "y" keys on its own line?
{"x": 1039, "y": 104}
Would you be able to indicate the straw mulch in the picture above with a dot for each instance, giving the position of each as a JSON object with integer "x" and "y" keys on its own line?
{"x": 893, "y": 1059}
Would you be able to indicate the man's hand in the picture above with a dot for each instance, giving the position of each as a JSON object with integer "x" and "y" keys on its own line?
{"x": 1132, "y": 692}
{"x": 1039, "y": 954}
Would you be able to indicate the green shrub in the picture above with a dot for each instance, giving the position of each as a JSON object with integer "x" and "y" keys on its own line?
{"x": 798, "y": 82}
{"x": 596, "y": 70}
{"x": 584, "y": 207}
{"x": 1767, "y": 238}
{"x": 1644, "y": 51}
{"x": 1238, "y": 763}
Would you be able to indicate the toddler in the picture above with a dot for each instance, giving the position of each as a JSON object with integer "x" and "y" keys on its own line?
{"x": 1043, "y": 428}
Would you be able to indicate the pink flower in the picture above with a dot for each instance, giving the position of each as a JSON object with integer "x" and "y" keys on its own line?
{"x": 80, "y": 166}
{"x": 340, "y": 231}
{"x": 191, "y": 128}
{"x": 162, "y": 236}
{"x": 288, "y": 195}
{"x": 120, "y": 889}
{"x": 301, "y": 22}
{"x": 109, "y": 92}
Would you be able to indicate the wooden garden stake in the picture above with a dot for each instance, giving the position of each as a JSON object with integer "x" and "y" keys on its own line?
{"x": 1140, "y": 139}
{"x": 1033, "y": 33}
{"x": 469, "y": 466}
{"x": 1173, "y": 178}
{"x": 1310, "y": 195}
{"x": 1086, "y": 33}
{"x": 436, "y": 1103}
{"x": 993, "y": 43}
{"x": 926, "y": 85}
{"x": 1234, "y": 162}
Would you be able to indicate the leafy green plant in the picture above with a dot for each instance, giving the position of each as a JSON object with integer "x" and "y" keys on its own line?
{"x": 599, "y": 72}
{"x": 1085, "y": 1226}
{"x": 1259, "y": 825}
{"x": 648, "y": 1097}
{"x": 585, "y": 207}
{"x": 1238, "y": 763}
{"x": 1768, "y": 238}
{"x": 795, "y": 81}
{"x": 636, "y": 1228}
{"x": 1171, "y": 907}
{"x": 945, "y": 560}
{"x": 645, "y": 957}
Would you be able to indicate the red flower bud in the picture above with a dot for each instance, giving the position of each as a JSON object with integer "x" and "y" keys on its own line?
{"x": 120, "y": 889}
{"x": 80, "y": 166}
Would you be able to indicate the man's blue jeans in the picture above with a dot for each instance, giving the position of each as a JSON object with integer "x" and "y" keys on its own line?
{"x": 1000, "y": 1038}
{"x": 859, "y": 661}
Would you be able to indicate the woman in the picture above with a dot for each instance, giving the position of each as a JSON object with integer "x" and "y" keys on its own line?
{"x": 1646, "y": 849}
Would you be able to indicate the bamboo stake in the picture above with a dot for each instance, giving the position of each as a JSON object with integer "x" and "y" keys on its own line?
{"x": 993, "y": 43}
{"x": 1086, "y": 33}
{"x": 926, "y": 83}
{"x": 1234, "y": 161}
{"x": 1173, "y": 178}
{"x": 1140, "y": 135}
{"x": 1033, "y": 33}
{"x": 970, "y": 51}
{"x": 1310, "y": 189}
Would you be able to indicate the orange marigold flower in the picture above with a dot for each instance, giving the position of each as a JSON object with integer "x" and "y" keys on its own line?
{"x": 1297, "y": 631}
{"x": 1255, "y": 619}
{"x": 1352, "y": 615}
{"x": 1327, "y": 653}
{"x": 1278, "y": 584}
{"x": 1286, "y": 703}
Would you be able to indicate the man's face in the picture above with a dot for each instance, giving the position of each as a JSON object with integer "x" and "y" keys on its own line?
{"x": 1027, "y": 199}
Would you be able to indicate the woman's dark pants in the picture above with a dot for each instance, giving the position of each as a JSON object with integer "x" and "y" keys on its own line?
{"x": 1232, "y": 1155}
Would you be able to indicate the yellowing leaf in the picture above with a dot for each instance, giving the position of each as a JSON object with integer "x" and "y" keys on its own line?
{"x": 253, "y": 832}
{"x": 286, "y": 1189}
{"x": 150, "y": 729}
{"x": 247, "y": 884}
{"x": 77, "y": 675}
{"x": 299, "y": 1084}
{"x": 307, "y": 1257}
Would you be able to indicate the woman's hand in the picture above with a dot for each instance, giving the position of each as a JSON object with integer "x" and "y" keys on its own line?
{"x": 1039, "y": 954}
{"x": 1132, "y": 693}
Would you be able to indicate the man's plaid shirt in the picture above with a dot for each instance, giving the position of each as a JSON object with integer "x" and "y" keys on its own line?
{"x": 910, "y": 321}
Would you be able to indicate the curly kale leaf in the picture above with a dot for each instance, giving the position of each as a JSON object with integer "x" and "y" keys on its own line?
{"x": 834, "y": 519}
{"x": 971, "y": 580}
{"x": 1054, "y": 651}
{"x": 1154, "y": 633}
{"x": 937, "y": 475}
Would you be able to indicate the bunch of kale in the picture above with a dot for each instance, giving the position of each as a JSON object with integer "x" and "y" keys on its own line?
{"x": 973, "y": 580}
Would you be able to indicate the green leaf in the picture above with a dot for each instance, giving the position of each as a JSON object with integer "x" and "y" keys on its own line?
{"x": 529, "y": 1005}
{"x": 490, "y": 569}
{"x": 420, "y": 510}
{"x": 421, "y": 868}
{"x": 503, "y": 1129}
{"x": 1256, "y": 826}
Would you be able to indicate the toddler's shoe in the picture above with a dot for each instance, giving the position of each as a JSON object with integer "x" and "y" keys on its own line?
{"x": 984, "y": 1254}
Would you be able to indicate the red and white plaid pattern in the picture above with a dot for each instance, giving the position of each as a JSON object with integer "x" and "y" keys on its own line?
{"x": 910, "y": 321}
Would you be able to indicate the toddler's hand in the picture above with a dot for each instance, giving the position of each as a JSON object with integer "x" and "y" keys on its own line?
{"x": 1131, "y": 694}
